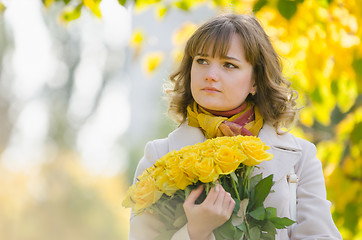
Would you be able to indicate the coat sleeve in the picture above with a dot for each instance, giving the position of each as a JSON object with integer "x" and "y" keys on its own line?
{"x": 314, "y": 220}
{"x": 147, "y": 226}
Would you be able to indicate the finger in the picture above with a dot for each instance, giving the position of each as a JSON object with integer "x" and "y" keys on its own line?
{"x": 226, "y": 202}
{"x": 212, "y": 196}
{"x": 230, "y": 207}
{"x": 219, "y": 201}
{"x": 190, "y": 200}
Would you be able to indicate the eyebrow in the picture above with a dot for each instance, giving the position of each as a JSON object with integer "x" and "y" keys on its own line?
{"x": 224, "y": 57}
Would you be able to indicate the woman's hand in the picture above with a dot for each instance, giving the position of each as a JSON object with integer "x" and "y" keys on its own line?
{"x": 213, "y": 212}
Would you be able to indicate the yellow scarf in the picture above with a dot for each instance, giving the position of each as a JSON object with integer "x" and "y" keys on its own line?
{"x": 216, "y": 126}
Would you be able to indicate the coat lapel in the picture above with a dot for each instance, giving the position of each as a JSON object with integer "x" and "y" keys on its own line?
{"x": 286, "y": 150}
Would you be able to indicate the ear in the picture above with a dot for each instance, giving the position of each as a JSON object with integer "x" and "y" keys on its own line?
{"x": 253, "y": 89}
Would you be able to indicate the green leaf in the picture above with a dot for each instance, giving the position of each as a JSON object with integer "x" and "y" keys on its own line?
{"x": 179, "y": 210}
{"x": 122, "y": 2}
{"x": 254, "y": 233}
{"x": 261, "y": 191}
{"x": 271, "y": 212}
{"x": 243, "y": 206}
{"x": 255, "y": 180}
{"x": 238, "y": 234}
{"x": 234, "y": 177}
{"x": 242, "y": 227}
{"x": 240, "y": 216}
{"x": 267, "y": 236}
{"x": 281, "y": 223}
{"x": 269, "y": 227}
{"x": 227, "y": 230}
{"x": 258, "y": 5}
{"x": 287, "y": 8}
{"x": 258, "y": 214}
{"x": 180, "y": 221}
{"x": 187, "y": 191}
{"x": 218, "y": 236}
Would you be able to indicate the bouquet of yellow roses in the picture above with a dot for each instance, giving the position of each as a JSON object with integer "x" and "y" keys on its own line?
{"x": 163, "y": 188}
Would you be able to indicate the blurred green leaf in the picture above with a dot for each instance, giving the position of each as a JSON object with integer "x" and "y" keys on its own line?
{"x": 71, "y": 13}
{"x": 161, "y": 10}
{"x": 357, "y": 66}
{"x": 287, "y": 8}
{"x": 122, "y": 2}
{"x": 356, "y": 134}
{"x": 2, "y": 7}
{"x": 145, "y": 3}
{"x": 323, "y": 3}
{"x": 316, "y": 96}
{"x": 183, "y": 5}
{"x": 258, "y": 5}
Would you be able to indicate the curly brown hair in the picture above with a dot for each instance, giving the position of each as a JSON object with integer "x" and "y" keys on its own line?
{"x": 274, "y": 97}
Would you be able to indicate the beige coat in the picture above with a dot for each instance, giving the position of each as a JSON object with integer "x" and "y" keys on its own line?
{"x": 314, "y": 219}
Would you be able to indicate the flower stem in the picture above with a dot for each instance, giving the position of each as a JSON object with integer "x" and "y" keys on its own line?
{"x": 162, "y": 214}
{"x": 235, "y": 189}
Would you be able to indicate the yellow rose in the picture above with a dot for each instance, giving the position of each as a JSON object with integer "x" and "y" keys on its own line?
{"x": 188, "y": 149}
{"x": 223, "y": 141}
{"x": 255, "y": 150}
{"x": 143, "y": 194}
{"x": 208, "y": 152}
{"x": 240, "y": 138}
{"x": 127, "y": 202}
{"x": 146, "y": 173}
{"x": 188, "y": 165}
{"x": 206, "y": 171}
{"x": 228, "y": 159}
{"x": 162, "y": 161}
{"x": 164, "y": 183}
{"x": 172, "y": 160}
{"x": 180, "y": 179}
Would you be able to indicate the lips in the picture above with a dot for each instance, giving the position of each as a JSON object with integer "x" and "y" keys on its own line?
{"x": 210, "y": 89}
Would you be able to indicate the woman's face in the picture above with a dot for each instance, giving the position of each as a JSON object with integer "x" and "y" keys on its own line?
{"x": 222, "y": 84}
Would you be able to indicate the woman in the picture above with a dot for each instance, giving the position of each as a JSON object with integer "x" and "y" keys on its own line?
{"x": 230, "y": 82}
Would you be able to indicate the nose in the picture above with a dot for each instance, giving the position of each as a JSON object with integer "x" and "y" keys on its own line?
{"x": 212, "y": 73}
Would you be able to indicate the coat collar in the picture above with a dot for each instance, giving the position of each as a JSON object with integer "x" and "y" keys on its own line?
{"x": 286, "y": 149}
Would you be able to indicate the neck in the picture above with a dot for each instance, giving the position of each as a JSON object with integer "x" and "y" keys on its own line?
{"x": 228, "y": 113}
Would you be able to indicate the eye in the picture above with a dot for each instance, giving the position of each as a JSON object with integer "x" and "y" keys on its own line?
{"x": 201, "y": 61}
{"x": 230, "y": 65}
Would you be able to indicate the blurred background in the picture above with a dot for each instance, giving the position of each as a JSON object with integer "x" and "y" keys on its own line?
{"x": 81, "y": 93}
